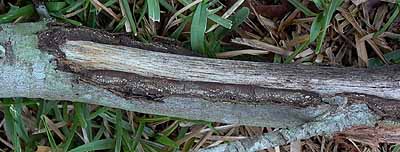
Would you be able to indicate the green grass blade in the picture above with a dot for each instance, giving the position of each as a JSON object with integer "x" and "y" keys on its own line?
{"x": 153, "y": 7}
{"x": 167, "y": 6}
{"x": 11, "y": 129}
{"x": 188, "y": 144}
{"x": 316, "y": 27}
{"x": 155, "y": 119}
{"x": 112, "y": 118}
{"x": 50, "y": 137}
{"x": 297, "y": 51}
{"x": 277, "y": 58}
{"x": 55, "y": 6}
{"x": 104, "y": 144}
{"x": 148, "y": 148}
{"x": 120, "y": 25}
{"x": 129, "y": 16}
{"x": 79, "y": 111}
{"x": 170, "y": 129}
{"x": 328, "y": 15}
{"x": 99, "y": 133}
{"x": 60, "y": 17}
{"x": 166, "y": 141}
{"x": 74, "y": 6}
{"x": 91, "y": 20}
{"x": 71, "y": 134}
{"x": 98, "y": 112}
{"x": 119, "y": 132}
{"x": 84, "y": 118}
{"x": 16, "y": 112}
{"x": 319, "y": 4}
{"x": 185, "y": 2}
{"x": 237, "y": 19}
{"x": 180, "y": 28}
{"x": 198, "y": 28}
{"x": 392, "y": 18}
{"x": 138, "y": 135}
{"x": 221, "y": 21}
{"x": 302, "y": 8}
{"x": 127, "y": 142}
{"x": 110, "y": 3}
{"x": 16, "y": 13}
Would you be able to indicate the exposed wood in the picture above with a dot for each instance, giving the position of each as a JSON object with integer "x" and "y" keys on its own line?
{"x": 324, "y": 81}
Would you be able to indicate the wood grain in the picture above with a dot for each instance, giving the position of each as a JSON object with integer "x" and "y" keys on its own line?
{"x": 322, "y": 80}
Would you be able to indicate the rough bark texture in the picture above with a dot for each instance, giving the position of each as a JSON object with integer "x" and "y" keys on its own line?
{"x": 354, "y": 116}
{"x": 59, "y": 63}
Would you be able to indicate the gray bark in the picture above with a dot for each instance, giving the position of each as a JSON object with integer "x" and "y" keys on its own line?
{"x": 236, "y": 92}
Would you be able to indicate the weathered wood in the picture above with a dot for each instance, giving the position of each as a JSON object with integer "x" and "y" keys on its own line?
{"x": 354, "y": 114}
{"x": 324, "y": 81}
{"x": 137, "y": 79}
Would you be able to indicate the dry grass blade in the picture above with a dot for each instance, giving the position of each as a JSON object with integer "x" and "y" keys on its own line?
{"x": 241, "y": 52}
{"x": 57, "y": 125}
{"x": 355, "y": 145}
{"x": 2, "y": 122}
{"x": 5, "y": 142}
{"x": 350, "y": 18}
{"x": 230, "y": 132}
{"x": 277, "y": 149}
{"x": 202, "y": 141}
{"x": 219, "y": 128}
{"x": 287, "y": 21}
{"x": 43, "y": 149}
{"x": 228, "y": 13}
{"x": 358, "y": 2}
{"x": 377, "y": 50}
{"x": 179, "y": 12}
{"x": 196, "y": 130}
{"x": 226, "y": 138}
{"x": 74, "y": 13}
{"x": 390, "y": 1}
{"x": 269, "y": 25}
{"x": 54, "y": 128}
{"x": 296, "y": 146}
{"x": 361, "y": 52}
{"x": 297, "y": 41}
{"x": 262, "y": 45}
{"x": 305, "y": 53}
{"x": 380, "y": 16}
{"x": 100, "y": 6}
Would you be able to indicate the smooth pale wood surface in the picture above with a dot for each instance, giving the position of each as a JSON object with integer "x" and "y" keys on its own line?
{"x": 383, "y": 82}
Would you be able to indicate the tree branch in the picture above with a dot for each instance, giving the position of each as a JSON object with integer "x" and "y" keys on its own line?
{"x": 354, "y": 115}
{"x": 59, "y": 63}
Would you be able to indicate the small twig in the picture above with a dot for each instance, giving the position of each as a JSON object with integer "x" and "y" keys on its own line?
{"x": 336, "y": 121}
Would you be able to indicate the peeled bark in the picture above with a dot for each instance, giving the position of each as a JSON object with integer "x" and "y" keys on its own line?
{"x": 84, "y": 65}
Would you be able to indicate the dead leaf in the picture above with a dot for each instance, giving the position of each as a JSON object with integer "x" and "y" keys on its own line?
{"x": 262, "y": 45}
{"x": 241, "y": 52}
{"x": 361, "y": 52}
{"x": 43, "y": 149}
{"x": 358, "y": 2}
